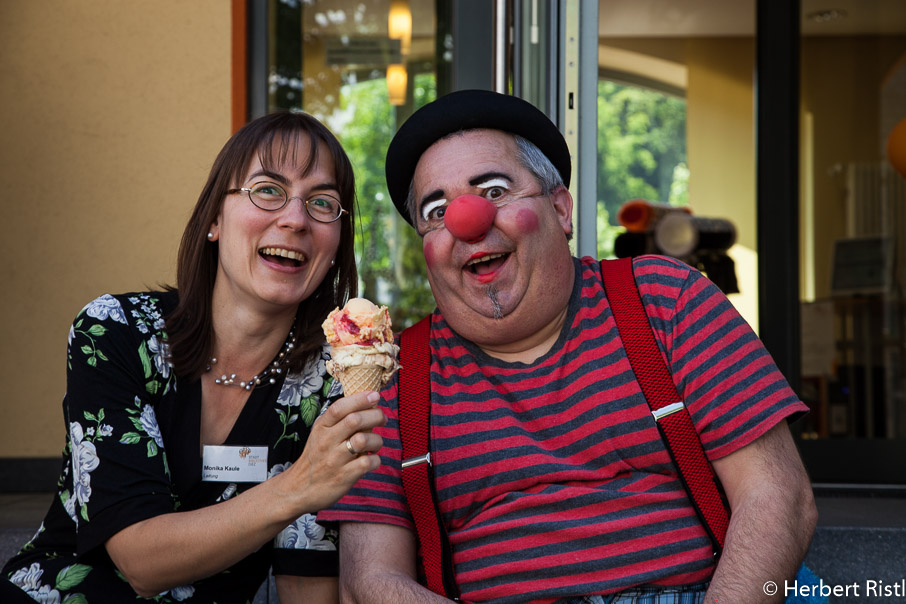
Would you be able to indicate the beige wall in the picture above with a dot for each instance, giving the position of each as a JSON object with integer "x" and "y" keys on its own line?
{"x": 111, "y": 113}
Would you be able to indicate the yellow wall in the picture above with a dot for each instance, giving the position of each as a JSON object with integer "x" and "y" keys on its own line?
{"x": 717, "y": 75}
{"x": 111, "y": 113}
{"x": 720, "y": 135}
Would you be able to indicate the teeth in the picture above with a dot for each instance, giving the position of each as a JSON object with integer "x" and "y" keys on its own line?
{"x": 487, "y": 258}
{"x": 276, "y": 251}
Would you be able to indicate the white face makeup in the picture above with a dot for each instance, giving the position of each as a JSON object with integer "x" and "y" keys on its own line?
{"x": 494, "y": 183}
{"x": 428, "y": 209}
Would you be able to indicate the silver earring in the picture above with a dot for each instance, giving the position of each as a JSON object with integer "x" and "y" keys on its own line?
{"x": 211, "y": 236}
{"x": 332, "y": 262}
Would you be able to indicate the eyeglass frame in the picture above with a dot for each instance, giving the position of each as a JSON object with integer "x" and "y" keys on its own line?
{"x": 287, "y": 199}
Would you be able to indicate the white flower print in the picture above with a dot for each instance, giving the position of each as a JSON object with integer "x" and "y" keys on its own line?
{"x": 45, "y": 595}
{"x": 160, "y": 351}
{"x": 298, "y": 386}
{"x": 336, "y": 390}
{"x": 29, "y": 580}
{"x": 277, "y": 468}
{"x": 228, "y": 492}
{"x": 71, "y": 334}
{"x": 69, "y": 506}
{"x": 149, "y": 425}
{"x": 300, "y": 398}
{"x": 105, "y": 430}
{"x": 183, "y": 592}
{"x": 326, "y": 402}
{"x": 304, "y": 533}
{"x": 290, "y": 394}
{"x": 84, "y": 461}
{"x": 104, "y": 307}
{"x": 38, "y": 532}
{"x": 140, "y": 324}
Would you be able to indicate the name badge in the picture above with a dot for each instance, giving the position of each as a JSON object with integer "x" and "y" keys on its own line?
{"x": 222, "y": 463}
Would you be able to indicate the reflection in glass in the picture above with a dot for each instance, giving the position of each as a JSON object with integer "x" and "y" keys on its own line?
{"x": 362, "y": 67}
{"x": 854, "y": 221}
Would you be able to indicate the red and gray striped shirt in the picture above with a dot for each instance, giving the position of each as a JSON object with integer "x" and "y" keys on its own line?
{"x": 552, "y": 477}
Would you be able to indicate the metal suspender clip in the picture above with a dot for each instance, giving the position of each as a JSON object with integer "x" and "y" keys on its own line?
{"x": 415, "y": 461}
{"x": 667, "y": 410}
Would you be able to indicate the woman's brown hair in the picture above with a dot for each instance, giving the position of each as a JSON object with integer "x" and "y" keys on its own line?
{"x": 273, "y": 138}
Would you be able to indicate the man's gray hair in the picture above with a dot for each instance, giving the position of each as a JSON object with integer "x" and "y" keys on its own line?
{"x": 529, "y": 157}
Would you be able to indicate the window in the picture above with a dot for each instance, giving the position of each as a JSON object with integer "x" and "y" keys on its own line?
{"x": 361, "y": 68}
{"x": 641, "y": 153}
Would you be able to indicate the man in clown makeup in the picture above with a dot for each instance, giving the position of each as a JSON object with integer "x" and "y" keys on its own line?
{"x": 552, "y": 481}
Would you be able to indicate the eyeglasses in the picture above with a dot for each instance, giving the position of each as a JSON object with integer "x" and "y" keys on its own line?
{"x": 432, "y": 213}
{"x": 271, "y": 197}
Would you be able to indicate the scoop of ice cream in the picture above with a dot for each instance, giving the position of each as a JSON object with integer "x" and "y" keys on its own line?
{"x": 360, "y": 322}
{"x": 382, "y": 354}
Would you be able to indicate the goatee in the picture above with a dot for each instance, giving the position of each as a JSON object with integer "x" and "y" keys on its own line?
{"x": 492, "y": 296}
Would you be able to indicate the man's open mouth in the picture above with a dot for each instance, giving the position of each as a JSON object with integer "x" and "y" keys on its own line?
{"x": 484, "y": 265}
{"x": 281, "y": 256}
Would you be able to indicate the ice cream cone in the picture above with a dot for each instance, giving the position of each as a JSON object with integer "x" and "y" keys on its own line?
{"x": 363, "y": 355}
{"x": 361, "y": 378}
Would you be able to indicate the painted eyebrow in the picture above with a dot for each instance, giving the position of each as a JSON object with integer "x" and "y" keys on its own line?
{"x": 430, "y": 205}
{"x": 483, "y": 178}
{"x": 438, "y": 194}
{"x": 433, "y": 196}
{"x": 499, "y": 183}
{"x": 474, "y": 182}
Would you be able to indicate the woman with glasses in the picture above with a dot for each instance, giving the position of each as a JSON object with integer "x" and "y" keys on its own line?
{"x": 199, "y": 441}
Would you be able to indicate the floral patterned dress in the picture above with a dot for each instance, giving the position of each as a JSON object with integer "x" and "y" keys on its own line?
{"x": 132, "y": 452}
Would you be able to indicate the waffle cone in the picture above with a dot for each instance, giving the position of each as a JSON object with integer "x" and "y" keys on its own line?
{"x": 361, "y": 378}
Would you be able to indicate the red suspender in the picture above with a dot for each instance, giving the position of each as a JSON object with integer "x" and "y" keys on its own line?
{"x": 418, "y": 478}
{"x": 672, "y": 417}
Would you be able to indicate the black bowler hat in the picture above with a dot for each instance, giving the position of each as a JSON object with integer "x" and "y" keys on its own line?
{"x": 467, "y": 110}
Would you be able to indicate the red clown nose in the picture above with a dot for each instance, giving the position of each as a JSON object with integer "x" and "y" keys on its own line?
{"x": 469, "y": 218}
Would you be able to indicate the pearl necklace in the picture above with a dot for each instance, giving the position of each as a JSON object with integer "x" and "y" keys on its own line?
{"x": 274, "y": 369}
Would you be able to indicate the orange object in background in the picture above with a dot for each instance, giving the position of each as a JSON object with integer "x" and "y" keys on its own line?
{"x": 896, "y": 147}
{"x": 640, "y": 216}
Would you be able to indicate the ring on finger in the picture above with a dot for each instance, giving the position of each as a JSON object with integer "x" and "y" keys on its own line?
{"x": 350, "y": 448}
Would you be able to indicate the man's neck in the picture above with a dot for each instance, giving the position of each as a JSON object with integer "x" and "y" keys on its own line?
{"x": 528, "y": 350}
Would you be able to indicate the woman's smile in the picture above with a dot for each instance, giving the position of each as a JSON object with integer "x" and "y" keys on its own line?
{"x": 283, "y": 257}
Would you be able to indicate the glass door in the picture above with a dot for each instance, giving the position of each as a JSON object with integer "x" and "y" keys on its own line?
{"x": 362, "y": 67}
{"x": 676, "y": 138}
{"x": 853, "y": 239}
